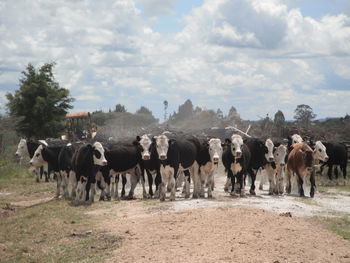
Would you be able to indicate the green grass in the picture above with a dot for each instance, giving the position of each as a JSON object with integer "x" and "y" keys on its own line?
{"x": 53, "y": 232}
{"x": 339, "y": 225}
{"x": 49, "y": 232}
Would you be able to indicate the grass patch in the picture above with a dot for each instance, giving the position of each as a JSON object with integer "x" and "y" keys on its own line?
{"x": 339, "y": 225}
{"x": 53, "y": 232}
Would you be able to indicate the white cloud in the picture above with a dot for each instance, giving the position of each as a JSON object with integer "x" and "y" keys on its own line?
{"x": 258, "y": 55}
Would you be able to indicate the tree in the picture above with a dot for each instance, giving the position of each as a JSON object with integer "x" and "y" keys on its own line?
{"x": 220, "y": 114}
{"x": 304, "y": 114}
{"x": 144, "y": 110}
{"x": 120, "y": 108}
{"x": 40, "y": 104}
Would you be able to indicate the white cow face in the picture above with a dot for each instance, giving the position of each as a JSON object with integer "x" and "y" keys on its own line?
{"x": 99, "y": 154}
{"x": 145, "y": 143}
{"x": 22, "y": 148}
{"x": 162, "y": 143}
{"x": 215, "y": 150}
{"x": 296, "y": 138}
{"x": 236, "y": 145}
{"x": 269, "y": 155}
{"x": 320, "y": 152}
{"x": 279, "y": 154}
{"x": 38, "y": 159}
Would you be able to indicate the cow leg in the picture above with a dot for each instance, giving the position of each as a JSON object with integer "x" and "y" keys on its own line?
{"x": 313, "y": 184}
{"x": 46, "y": 172}
{"x": 134, "y": 179}
{"x": 64, "y": 175}
{"x": 115, "y": 186}
{"x": 59, "y": 181}
{"x": 210, "y": 181}
{"x": 101, "y": 185}
{"x": 240, "y": 181}
{"x": 73, "y": 182}
{"x": 227, "y": 184}
{"x": 180, "y": 180}
{"x": 91, "y": 188}
{"x": 124, "y": 181}
{"x": 144, "y": 192}
{"x": 300, "y": 185}
{"x": 288, "y": 182}
{"x": 164, "y": 177}
{"x": 330, "y": 167}
{"x": 37, "y": 174}
{"x": 171, "y": 184}
{"x": 233, "y": 179}
{"x": 252, "y": 186}
{"x": 150, "y": 183}
{"x": 336, "y": 172}
{"x": 158, "y": 181}
{"x": 262, "y": 179}
{"x": 271, "y": 176}
{"x": 201, "y": 183}
{"x": 196, "y": 174}
{"x": 280, "y": 175}
{"x": 187, "y": 183}
{"x": 343, "y": 167}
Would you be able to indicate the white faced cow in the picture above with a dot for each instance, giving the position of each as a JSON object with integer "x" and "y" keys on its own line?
{"x": 208, "y": 159}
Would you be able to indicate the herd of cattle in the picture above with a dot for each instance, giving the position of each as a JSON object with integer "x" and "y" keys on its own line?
{"x": 167, "y": 158}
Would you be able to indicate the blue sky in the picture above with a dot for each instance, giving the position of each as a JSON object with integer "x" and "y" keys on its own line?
{"x": 257, "y": 55}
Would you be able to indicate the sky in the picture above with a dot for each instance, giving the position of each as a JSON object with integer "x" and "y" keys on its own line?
{"x": 259, "y": 56}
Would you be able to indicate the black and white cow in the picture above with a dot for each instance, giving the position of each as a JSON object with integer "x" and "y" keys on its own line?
{"x": 236, "y": 158}
{"x": 208, "y": 159}
{"x": 176, "y": 155}
{"x": 276, "y": 170}
{"x": 123, "y": 158}
{"x": 48, "y": 155}
{"x": 86, "y": 162}
{"x": 149, "y": 162}
{"x": 338, "y": 156}
{"x": 28, "y": 147}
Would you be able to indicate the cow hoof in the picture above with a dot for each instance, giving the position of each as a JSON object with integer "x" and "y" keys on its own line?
{"x": 270, "y": 193}
{"x": 187, "y": 196}
{"x": 226, "y": 189}
{"x": 233, "y": 194}
{"x": 210, "y": 196}
{"x": 252, "y": 192}
{"x": 261, "y": 187}
{"x": 162, "y": 199}
{"x": 194, "y": 196}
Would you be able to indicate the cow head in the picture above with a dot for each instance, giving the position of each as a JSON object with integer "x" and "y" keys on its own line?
{"x": 99, "y": 154}
{"x": 236, "y": 145}
{"x": 162, "y": 143}
{"x": 296, "y": 138}
{"x": 22, "y": 148}
{"x": 38, "y": 159}
{"x": 269, "y": 155}
{"x": 279, "y": 154}
{"x": 215, "y": 150}
{"x": 308, "y": 157}
{"x": 320, "y": 152}
{"x": 145, "y": 143}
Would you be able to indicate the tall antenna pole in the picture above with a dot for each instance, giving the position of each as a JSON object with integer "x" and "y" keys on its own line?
{"x": 165, "y": 109}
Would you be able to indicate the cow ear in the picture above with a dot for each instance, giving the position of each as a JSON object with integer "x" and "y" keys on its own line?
{"x": 154, "y": 138}
{"x": 227, "y": 141}
{"x": 223, "y": 144}
{"x": 138, "y": 138}
{"x": 136, "y": 143}
{"x": 89, "y": 146}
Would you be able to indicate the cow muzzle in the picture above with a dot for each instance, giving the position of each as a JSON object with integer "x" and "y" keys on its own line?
{"x": 282, "y": 164}
{"x": 146, "y": 157}
{"x": 215, "y": 160}
{"x": 162, "y": 157}
{"x": 104, "y": 163}
{"x": 326, "y": 159}
{"x": 271, "y": 159}
{"x": 238, "y": 154}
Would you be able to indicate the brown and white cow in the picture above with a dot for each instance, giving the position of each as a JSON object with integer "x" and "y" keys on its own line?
{"x": 300, "y": 162}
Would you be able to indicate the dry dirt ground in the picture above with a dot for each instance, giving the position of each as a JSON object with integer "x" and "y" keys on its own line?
{"x": 258, "y": 228}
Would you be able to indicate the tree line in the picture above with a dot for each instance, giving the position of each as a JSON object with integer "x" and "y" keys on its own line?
{"x": 38, "y": 108}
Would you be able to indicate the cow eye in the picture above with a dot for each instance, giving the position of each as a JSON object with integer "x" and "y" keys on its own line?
{"x": 276, "y": 154}
{"x": 37, "y": 155}
{"x": 97, "y": 154}
{"x": 319, "y": 150}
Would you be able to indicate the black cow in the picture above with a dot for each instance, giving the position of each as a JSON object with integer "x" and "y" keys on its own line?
{"x": 123, "y": 157}
{"x": 86, "y": 162}
{"x": 338, "y": 155}
{"x": 259, "y": 154}
{"x": 236, "y": 158}
{"x": 176, "y": 155}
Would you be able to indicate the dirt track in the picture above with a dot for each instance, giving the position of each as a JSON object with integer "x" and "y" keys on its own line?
{"x": 226, "y": 229}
